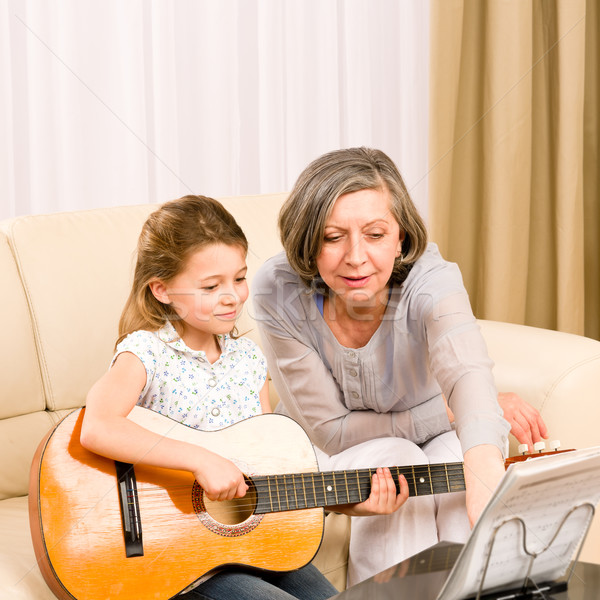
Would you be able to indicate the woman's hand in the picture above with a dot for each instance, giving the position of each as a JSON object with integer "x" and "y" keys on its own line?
{"x": 221, "y": 479}
{"x": 526, "y": 423}
{"x": 382, "y": 500}
{"x": 484, "y": 468}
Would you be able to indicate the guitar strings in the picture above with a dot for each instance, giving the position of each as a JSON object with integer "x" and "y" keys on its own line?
{"x": 282, "y": 492}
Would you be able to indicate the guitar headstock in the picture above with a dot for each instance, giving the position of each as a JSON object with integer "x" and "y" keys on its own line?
{"x": 539, "y": 449}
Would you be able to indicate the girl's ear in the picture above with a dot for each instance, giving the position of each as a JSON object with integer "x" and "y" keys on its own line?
{"x": 159, "y": 291}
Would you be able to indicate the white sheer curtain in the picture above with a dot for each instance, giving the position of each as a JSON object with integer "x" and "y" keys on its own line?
{"x": 105, "y": 102}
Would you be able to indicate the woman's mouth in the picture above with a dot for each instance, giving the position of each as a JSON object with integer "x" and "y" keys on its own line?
{"x": 356, "y": 281}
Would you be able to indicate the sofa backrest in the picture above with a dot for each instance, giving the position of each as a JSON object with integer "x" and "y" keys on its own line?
{"x": 65, "y": 278}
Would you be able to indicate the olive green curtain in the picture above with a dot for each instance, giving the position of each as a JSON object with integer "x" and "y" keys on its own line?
{"x": 513, "y": 151}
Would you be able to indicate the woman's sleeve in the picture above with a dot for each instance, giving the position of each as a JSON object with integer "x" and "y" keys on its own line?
{"x": 463, "y": 369}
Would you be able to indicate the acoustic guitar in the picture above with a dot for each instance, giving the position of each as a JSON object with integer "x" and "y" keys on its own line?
{"x": 103, "y": 529}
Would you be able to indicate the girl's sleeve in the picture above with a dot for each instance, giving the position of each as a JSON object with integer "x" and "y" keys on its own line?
{"x": 143, "y": 345}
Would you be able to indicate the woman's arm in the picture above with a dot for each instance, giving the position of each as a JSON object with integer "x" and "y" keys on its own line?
{"x": 484, "y": 468}
{"x": 107, "y": 431}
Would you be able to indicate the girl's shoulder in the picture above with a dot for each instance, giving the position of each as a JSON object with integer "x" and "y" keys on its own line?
{"x": 242, "y": 344}
{"x": 140, "y": 340}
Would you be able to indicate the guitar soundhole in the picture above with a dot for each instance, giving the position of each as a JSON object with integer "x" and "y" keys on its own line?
{"x": 229, "y": 518}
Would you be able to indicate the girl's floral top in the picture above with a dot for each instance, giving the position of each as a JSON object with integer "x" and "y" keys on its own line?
{"x": 183, "y": 385}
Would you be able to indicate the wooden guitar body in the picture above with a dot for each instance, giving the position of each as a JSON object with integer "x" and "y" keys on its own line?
{"x": 78, "y": 529}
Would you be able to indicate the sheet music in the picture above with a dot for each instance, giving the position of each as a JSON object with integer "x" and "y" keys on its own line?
{"x": 542, "y": 493}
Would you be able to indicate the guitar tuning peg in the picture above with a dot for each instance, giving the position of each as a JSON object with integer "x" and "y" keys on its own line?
{"x": 522, "y": 449}
{"x": 539, "y": 447}
{"x": 555, "y": 445}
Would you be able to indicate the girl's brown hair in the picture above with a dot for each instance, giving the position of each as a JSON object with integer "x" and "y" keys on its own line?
{"x": 169, "y": 235}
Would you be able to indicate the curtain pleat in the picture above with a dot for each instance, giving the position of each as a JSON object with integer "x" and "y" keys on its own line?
{"x": 511, "y": 156}
{"x": 591, "y": 170}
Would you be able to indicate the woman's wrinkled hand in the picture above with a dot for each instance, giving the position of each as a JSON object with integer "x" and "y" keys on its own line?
{"x": 382, "y": 500}
{"x": 526, "y": 423}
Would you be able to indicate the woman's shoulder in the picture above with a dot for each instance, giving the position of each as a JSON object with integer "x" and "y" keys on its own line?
{"x": 275, "y": 270}
{"x": 278, "y": 290}
{"x": 432, "y": 269}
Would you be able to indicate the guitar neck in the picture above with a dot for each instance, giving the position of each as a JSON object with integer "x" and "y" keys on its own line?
{"x": 295, "y": 491}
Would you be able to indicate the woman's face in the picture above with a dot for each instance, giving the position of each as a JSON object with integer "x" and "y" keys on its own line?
{"x": 361, "y": 241}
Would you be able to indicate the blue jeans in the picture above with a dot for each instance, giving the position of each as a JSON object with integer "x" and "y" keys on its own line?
{"x": 305, "y": 584}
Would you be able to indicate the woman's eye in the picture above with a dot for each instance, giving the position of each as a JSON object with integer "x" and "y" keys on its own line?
{"x": 332, "y": 238}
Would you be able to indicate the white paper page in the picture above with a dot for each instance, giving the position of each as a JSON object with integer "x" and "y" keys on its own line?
{"x": 541, "y": 492}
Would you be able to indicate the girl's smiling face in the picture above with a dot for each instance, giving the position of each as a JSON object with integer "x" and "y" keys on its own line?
{"x": 361, "y": 241}
{"x": 208, "y": 294}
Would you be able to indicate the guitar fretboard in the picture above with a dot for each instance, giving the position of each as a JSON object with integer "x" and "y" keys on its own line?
{"x": 293, "y": 491}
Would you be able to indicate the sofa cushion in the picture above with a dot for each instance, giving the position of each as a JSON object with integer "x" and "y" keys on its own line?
{"x": 20, "y": 578}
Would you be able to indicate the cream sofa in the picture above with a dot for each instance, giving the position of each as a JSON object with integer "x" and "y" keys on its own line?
{"x": 64, "y": 279}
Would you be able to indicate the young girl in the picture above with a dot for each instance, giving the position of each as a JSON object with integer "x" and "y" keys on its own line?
{"x": 177, "y": 355}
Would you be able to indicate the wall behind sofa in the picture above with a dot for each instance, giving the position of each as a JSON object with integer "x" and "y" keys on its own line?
{"x": 109, "y": 103}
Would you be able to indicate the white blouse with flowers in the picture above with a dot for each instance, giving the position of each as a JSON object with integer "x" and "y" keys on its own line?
{"x": 183, "y": 385}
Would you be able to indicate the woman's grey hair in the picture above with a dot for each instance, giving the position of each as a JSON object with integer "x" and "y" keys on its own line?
{"x": 303, "y": 216}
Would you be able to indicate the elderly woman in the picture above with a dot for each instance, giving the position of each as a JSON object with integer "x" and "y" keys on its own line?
{"x": 367, "y": 332}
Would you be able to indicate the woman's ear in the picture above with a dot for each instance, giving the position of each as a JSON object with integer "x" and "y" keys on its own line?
{"x": 159, "y": 291}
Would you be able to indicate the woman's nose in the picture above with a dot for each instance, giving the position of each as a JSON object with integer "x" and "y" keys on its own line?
{"x": 355, "y": 254}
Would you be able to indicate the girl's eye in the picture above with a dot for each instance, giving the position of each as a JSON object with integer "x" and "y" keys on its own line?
{"x": 209, "y": 288}
{"x": 240, "y": 279}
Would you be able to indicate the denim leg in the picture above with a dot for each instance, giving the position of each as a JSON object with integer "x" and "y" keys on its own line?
{"x": 304, "y": 584}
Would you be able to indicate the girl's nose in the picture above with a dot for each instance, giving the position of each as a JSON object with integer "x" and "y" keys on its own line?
{"x": 229, "y": 298}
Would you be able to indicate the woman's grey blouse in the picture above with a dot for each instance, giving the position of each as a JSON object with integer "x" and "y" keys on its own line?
{"x": 428, "y": 344}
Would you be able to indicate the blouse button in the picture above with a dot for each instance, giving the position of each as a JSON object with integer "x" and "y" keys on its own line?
{"x": 211, "y": 382}
{"x": 353, "y": 372}
{"x": 351, "y": 354}
{"x": 354, "y": 395}
{"x": 215, "y": 412}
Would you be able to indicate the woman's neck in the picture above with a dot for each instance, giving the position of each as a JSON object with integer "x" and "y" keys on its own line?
{"x": 353, "y": 326}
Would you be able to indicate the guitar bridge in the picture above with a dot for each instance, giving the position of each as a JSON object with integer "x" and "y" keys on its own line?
{"x": 130, "y": 509}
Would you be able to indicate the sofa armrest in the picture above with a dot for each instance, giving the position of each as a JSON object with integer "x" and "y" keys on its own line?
{"x": 558, "y": 373}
